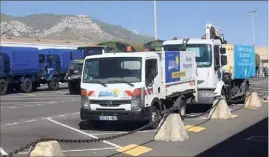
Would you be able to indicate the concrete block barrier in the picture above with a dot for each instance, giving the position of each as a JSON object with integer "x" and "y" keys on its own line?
{"x": 172, "y": 129}
{"x": 220, "y": 111}
{"x": 253, "y": 101}
{"x": 47, "y": 149}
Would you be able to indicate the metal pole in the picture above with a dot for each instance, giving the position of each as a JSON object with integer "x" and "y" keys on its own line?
{"x": 155, "y": 20}
{"x": 252, "y": 14}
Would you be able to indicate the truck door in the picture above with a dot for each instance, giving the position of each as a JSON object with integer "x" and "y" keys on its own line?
{"x": 56, "y": 63}
{"x": 152, "y": 79}
{"x": 42, "y": 65}
{"x": 53, "y": 64}
{"x": 217, "y": 68}
{"x": 5, "y": 63}
{"x": 1, "y": 66}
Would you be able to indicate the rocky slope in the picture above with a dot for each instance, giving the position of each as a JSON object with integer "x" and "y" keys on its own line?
{"x": 66, "y": 27}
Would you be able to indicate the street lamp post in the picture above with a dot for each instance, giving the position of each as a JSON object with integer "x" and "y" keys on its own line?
{"x": 252, "y": 14}
{"x": 155, "y": 20}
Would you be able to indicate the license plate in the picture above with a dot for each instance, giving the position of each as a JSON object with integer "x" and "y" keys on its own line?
{"x": 108, "y": 118}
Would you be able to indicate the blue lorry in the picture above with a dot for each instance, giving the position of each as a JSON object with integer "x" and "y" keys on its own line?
{"x": 25, "y": 68}
{"x": 18, "y": 70}
{"x": 54, "y": 65}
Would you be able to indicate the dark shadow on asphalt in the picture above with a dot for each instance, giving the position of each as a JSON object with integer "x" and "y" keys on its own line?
{"x": 109, "y": 126}
{"x": 237, "y": 145}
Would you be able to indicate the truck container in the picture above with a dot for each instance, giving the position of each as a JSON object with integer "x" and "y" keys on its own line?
{"x": 221, "y": 72}
{"x": 240, "y": 61}
{"x": 136, "y": 87}
{"x": 19, "y": 68}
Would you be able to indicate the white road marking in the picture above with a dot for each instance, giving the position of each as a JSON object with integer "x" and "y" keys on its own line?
{"x": 24, "y": 105}
{"x": 257, "y": 138}
{"x": 43, "y": 97}
{"x": 2, "y": 151}
{"x": 84, "y": 133}
{"x": 53, "y": 102}
{"x": 33, "y": 120}
{"x": 8, "y": 107}
{"x": 12, "y": 123}
{"x": 78, "y": 150}
{"x": 43, "y": 118}
{"x": 82, "y": 150}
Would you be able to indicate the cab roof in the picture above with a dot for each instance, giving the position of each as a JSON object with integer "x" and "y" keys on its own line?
{"x": 192, "y": 41}
{"x": 125, "y": 54}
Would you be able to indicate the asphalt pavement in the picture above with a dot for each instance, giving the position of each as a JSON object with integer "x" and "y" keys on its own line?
{"x": 26, "y": 117}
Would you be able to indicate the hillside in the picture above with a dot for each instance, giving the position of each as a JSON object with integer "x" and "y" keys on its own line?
{"x": 66, "y": 27}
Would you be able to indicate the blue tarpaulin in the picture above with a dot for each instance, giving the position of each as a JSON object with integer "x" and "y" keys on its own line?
{"x": 244, "y": 62}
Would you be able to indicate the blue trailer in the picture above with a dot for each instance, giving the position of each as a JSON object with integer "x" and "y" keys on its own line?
{"x": 19, "y": 69}
{"x": 54, "y": 63}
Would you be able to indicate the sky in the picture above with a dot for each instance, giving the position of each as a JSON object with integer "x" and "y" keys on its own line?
{"x": 174, "y": 18}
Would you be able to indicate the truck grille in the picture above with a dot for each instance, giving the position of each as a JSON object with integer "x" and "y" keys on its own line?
{"x": 115, "y": 103}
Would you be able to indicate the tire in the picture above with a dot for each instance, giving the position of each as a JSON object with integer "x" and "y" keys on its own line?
{"x": 182, "y": 107}
{"x": 35, "y": 85}
{"x": 3, "y": 87}
{"x": 245, "y": 94}
{"x": 155, "y": 115}
{"x": 53, "y": 84}
{"x": 73, "y": 89}
{"x": 26, "y": 86}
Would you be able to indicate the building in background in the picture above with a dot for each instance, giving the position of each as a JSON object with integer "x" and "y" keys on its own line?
{"x": 263, "y": 52}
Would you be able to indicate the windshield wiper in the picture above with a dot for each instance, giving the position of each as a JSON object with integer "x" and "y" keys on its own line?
{"x": 122, "y": 81}
{"x": 97, "y": 81}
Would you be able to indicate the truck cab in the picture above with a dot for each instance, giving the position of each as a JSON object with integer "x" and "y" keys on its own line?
{"x": 135, "y": 86}
{"x": 208, "y": 54}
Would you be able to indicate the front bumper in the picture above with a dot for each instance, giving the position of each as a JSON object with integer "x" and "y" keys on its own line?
{"x": 205, "y": 97}
{"x": 122, "y": 115}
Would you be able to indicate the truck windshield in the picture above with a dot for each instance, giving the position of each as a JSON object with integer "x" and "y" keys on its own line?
{"x": 76, "y": 68}
{"x": 113, "y": 70}
{"x": 203, "y": 53}
{"x": 88, "y": 51}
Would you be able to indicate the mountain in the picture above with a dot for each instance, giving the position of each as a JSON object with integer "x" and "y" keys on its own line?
{"x": 66, "y": 27}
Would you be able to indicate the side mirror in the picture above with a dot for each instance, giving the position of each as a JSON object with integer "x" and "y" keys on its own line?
{"x": 223, "y": 60}
{"x": 222, "y": 50}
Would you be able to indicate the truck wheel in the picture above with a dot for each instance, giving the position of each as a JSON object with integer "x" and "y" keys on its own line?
{"x": 182, "y": 107}
{"x": 245, "y": 94}
{"x": 35, "y": 85}
{"x": 3, "y": 87}
{"x": 73, "y": 89}
{"x": 155, "y": 115}
{"x": 26, "y": 85}
{"x": 53, "y": 84}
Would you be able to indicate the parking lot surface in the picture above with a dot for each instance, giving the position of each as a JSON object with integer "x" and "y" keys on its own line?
{"x": 26, "y": 117}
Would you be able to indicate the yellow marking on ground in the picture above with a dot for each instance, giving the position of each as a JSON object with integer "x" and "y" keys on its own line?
{"x": 26, "y": 94}
{"x": 265, "y": 101}
{"x": 194, "y": 128}
{"x": 252, "y": 108}
{"x": 134, "y": 150}
{"x": 234, "y": 115}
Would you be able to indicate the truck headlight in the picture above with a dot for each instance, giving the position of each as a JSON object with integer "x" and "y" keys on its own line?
{"x": 85, "y": 103}
{"x": 137, "y": 100}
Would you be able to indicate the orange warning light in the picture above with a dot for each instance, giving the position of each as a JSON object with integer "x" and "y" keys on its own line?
{"x": 129, "y": 48}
